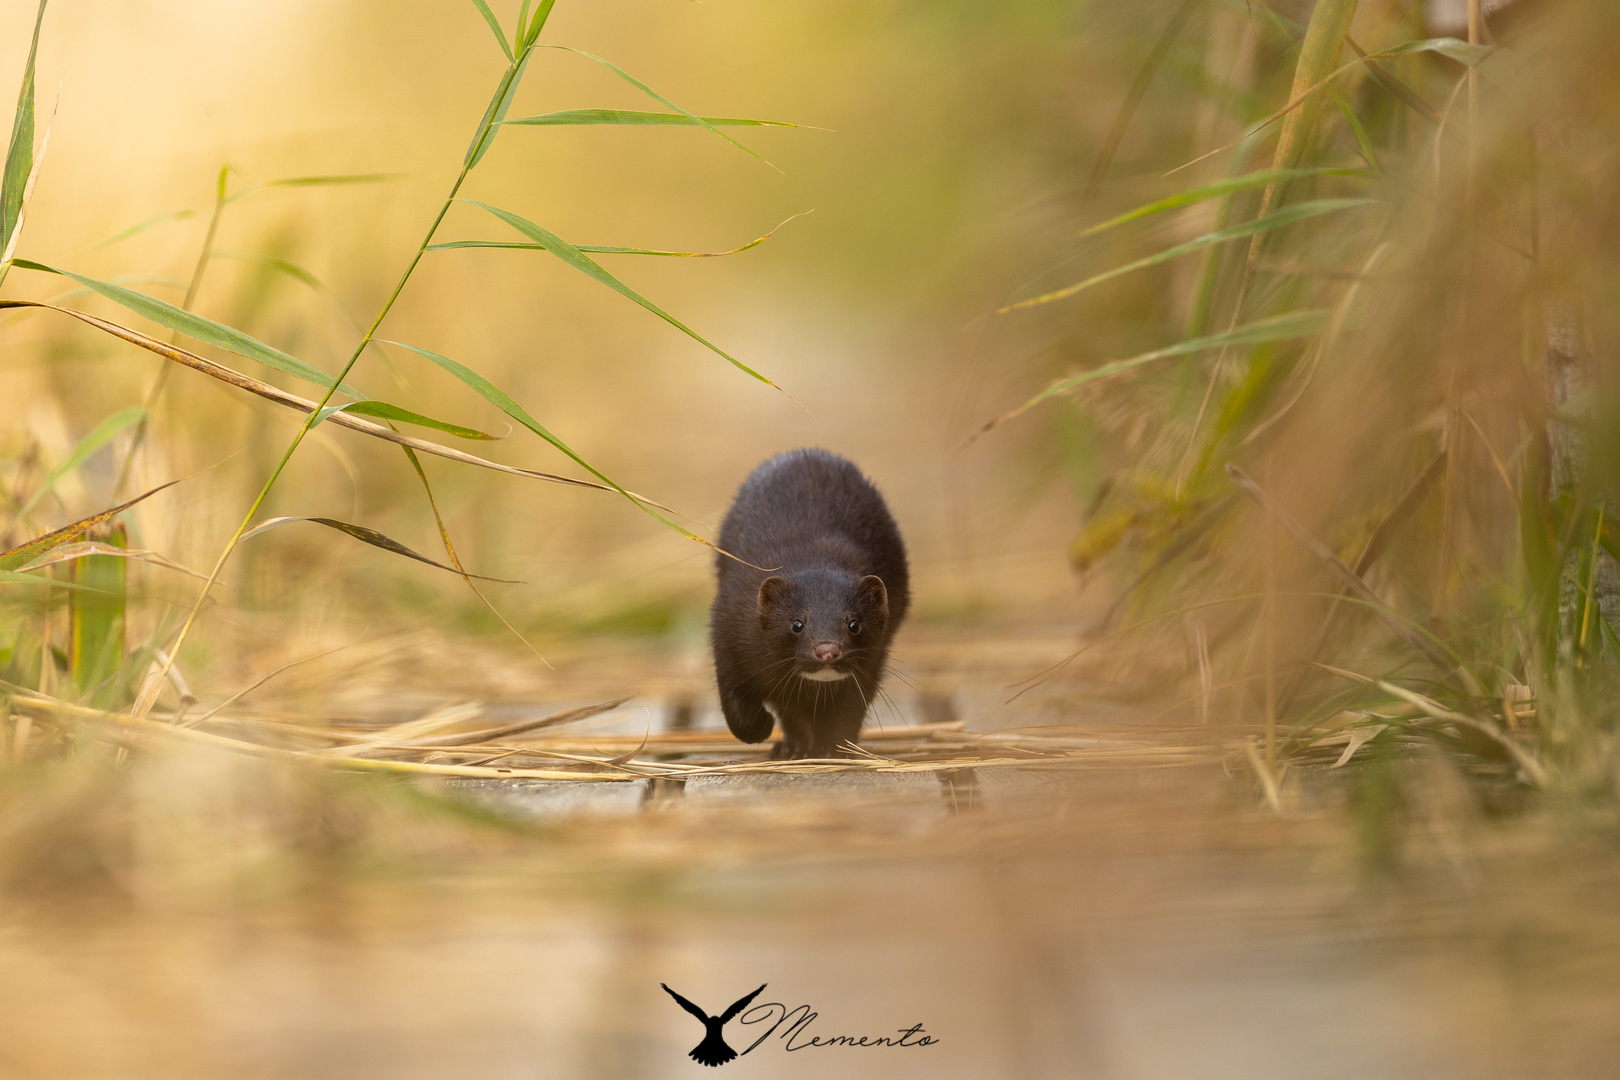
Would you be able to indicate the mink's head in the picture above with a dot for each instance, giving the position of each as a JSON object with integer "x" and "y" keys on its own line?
{"x": 825, "y": 622}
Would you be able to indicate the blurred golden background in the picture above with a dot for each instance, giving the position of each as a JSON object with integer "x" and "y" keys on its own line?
{"x": 937, "y": 165}
{"x": 1176, "y": 777}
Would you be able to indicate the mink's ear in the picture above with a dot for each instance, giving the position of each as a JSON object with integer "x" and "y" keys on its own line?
{"x": 872, "y": 598}
{"x": 773, "y": 592}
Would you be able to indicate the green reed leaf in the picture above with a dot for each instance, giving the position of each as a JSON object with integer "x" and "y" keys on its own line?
{"x": 195, "y": 326}
{"x": 599, "y": 249}
{"x": 1286, "y": 216}
{"x": 283, "y": 266}
{"x": 367, "y": 536}
{"x": 576, "y": 258}
{"x": 1353, "y": 122}
{"x": 1296, "y": 324}
{"x": 495, "y": 396}
{"x": 96, "y": 621}
{"x": 520, "y": 37}
{"x": 538, "y": 23}
{"x": 1218, "y": 188}
{"x": 140, "y": 227}
{"x": 495, "y": 112}
{"x": 656, "y": 96}
{"x": 382, "y": 410}
{"x": 11, "y": 577}
{"x": 88, "y": 445}
{"x": 503, "y": 401}
{"x": 1330, "y": 22}
{"x": 334, "y": 180}
{"x": 20, "y": 152}
{"x": 1451, "y": 48}
{"x": 30, "y": 550}
{"x": 494, "y": 26}
{"x": 630, "y": 117}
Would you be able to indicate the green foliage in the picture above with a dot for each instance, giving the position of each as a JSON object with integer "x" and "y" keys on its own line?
{"x": 1396, "y": 262}
{"x": 19, "y": 166}
{"x": 96, "y": 623}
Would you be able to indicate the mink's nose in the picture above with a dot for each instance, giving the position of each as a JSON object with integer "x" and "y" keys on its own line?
{"x": 828, "y": 651}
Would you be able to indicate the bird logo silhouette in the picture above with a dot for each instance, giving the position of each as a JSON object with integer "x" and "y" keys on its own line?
{"x": 713, "y": 1049}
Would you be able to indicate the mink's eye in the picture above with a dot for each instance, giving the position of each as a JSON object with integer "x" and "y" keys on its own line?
{"x": 798, "y": 627}
{"x": 854, "y": 626}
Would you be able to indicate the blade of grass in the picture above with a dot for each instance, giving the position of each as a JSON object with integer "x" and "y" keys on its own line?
{"x": 1533, "y": 769}
{"x": 1324, "y": 38}
{"x": 1404, "y": 93}
{"x": 140, "y": 227}
{"x": 503, "y": 401}
{"x": 1209, "y": 272}
{"x": 1363, "y": 141}
{"x": 204, "y": 255}
{"x": 1305, "y": 373}
{"x": 88, "y": 445}
{"x": 12, "y": 577}
{"x": 366, "y": 536}
{"x": 576, "y": 258}
{"x": 197, "y": 327}
{"x": 573, "y": 117}
{"x": 96, "y": 622}
{"x": 306, "y": 277}
{"x": 1133, "y": 97}
{"x": 520, "y": 37}
{"x": 26, "y": 552}
{"x": 69, "y": 552}
{"x": 20, "y": 151}
{"x": 455, "y": 560}
{"x": 495, "y": 112}
{"x": 597, "y": 249}
{"x": 1218, "y": 188}
{"x": 1286, "y": 216}
{"x": 1295, "y": 324}
{"x": 1305, "y": 94}
{"x": 384, "y": 411}
{"x": 282, "y": 266}
{"x": 541, "y": 14}
{"x": 9, "y": 252}
{"x": 292, "y": 401}
{"x": 494, "y": 26}
{"x": 333, "y": 180}
{"x": 656, "y": 96}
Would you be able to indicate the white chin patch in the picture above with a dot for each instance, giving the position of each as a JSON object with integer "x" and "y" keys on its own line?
{"x": 824, "y": 675}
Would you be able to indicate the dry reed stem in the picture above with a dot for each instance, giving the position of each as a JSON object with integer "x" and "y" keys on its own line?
{"x": 293, "y": 401}
{"x": 947, "y": 747}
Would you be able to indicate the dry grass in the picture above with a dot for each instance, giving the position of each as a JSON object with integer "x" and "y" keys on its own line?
{"x": 1319, "y": 778}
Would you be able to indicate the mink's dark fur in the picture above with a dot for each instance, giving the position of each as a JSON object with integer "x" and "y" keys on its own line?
{"x": 837, "y": 573}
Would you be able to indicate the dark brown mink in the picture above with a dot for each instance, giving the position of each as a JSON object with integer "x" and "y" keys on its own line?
{"x": 808, "y": 637}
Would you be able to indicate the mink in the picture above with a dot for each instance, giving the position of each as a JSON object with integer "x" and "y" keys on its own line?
{"x": 804, "y": 631}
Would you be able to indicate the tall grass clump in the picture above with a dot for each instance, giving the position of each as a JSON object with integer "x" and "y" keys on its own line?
{"x": 1364, "y": 465}
{"x": 64, "y": 590}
